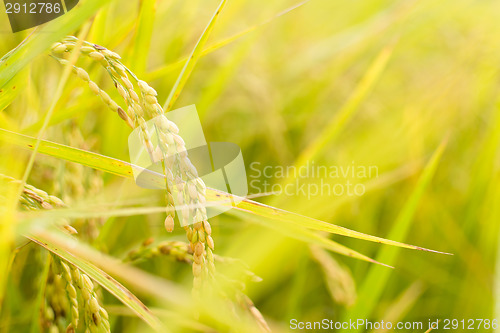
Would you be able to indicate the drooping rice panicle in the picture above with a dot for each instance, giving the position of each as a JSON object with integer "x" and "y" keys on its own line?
{"x": 178, "y": 251}
{"x": 33, "y": 198}
{"x": 179, "y": 171}
{"x": 65, "y": 276}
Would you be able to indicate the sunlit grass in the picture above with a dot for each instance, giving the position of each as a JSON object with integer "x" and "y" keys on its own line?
{"x": 410, "y": 87}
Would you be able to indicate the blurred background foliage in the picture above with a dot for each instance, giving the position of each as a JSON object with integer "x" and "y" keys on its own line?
{"x": 275, "y": 91}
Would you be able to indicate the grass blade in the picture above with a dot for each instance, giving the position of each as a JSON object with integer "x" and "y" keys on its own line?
{"x": 165, "y": 69}
{"x": 192, "y": 60}
{"x": 97, "y": 265}
{"x": 371, "y": 291}
{"x": 89, "y": 159}
{"x": 87, "y": 212}
{"x": 350, "y": 107}
{"x": 347, "y": 111}
{"x": 142, "y": 40}
{"x": 124, "y": 169}
{"x": 29, "y": 219}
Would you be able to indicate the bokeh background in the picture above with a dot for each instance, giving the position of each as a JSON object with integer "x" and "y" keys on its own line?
{"x": 375, "y": 83}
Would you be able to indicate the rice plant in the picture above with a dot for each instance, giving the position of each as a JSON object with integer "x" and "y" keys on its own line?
{"x": 375, "y": 121}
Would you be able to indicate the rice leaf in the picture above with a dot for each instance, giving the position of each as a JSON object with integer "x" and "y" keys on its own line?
{"x": 40, "y": 296}
{"x": 124, "y": 169}
{"x": 347, "y": 111}
{"x": 296, "y": 232}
